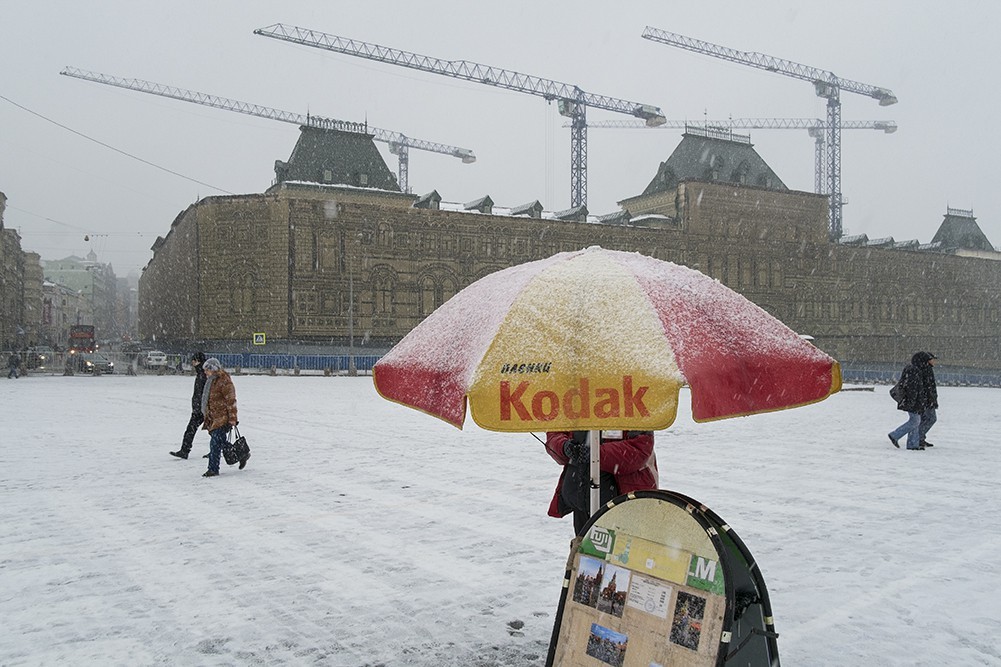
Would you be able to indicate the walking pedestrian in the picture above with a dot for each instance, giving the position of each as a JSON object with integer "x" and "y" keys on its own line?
{"x": 917, "y": 395}
{"x": 628, "y": 463}
{"x": 219, "y": 408}
{"x": 14, "y": 362}
{"x": 197, "y": 417}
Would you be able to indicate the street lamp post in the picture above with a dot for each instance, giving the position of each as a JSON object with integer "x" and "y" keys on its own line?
{"x": 352, "y": 370}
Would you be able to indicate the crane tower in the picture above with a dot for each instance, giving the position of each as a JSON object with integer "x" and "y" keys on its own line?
{"x": 572, "y": 101}
{"x": 826, "y": 84}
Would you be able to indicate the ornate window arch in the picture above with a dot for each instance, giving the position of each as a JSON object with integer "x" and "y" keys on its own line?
{"x": 428, "y": 289}
{"x": 436, "y": 285}
{"x": 384, "y": 235}
{"x": 383, "y": 289}
{"x": 243, "y": 295}
{"x": 740, "y": 173}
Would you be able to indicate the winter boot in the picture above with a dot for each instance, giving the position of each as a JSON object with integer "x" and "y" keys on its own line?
{"x": 181, "y": 454}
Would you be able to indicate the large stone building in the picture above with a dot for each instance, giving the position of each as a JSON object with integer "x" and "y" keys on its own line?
{"x": 295, "y": 261}
{"x": 13, "y": 332}
{"x": 33, "y": 298}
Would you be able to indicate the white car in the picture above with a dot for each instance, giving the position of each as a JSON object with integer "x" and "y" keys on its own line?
{"x": 154, "y": 359}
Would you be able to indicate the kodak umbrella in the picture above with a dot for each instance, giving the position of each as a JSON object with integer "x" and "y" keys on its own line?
{"x": 600, "y": 339}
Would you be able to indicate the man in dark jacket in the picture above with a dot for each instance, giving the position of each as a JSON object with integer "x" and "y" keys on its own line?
{"x": 917, "y": 395}
{"x": 197, "y": 359}
{"x": 15, "y": 363}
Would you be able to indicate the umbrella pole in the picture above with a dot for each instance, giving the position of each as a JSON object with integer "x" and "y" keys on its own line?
{"x": 594, "y": 440}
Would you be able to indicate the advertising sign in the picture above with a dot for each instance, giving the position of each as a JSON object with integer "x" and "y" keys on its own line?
{"x": 657, "y": 580}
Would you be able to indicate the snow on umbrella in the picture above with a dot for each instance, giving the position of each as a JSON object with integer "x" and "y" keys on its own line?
{"x": 600, "y": 339}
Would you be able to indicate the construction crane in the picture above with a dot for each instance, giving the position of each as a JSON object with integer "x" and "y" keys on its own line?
{"x": 399, "y": 144}
{"x": 572, "y": 101}
{"x": 826, "y": 84}
{"x": 816, "y": 128}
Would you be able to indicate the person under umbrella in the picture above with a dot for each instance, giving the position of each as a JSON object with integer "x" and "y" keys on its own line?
{"x": 628, "y": 463}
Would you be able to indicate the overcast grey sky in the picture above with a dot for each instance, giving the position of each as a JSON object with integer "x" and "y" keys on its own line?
{"x": 938, "y": 58}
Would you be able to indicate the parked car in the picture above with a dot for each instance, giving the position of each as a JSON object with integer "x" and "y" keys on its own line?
{"x": 41, "y": 356}
{"x": 131, "y": 348}
{"x": 88, "y": 362}
{"x": 153, "y": 359}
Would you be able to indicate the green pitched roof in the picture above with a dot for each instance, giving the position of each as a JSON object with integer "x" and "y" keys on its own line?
{"x": 959, "y": 229}
{"x": 337, "y": 158}
{"x": 714, "y": 155}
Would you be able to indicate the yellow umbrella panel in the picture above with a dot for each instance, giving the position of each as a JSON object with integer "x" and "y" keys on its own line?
{"x": 580, "y": 348}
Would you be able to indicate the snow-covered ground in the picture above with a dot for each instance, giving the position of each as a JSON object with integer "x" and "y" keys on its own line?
{"x": 365, "y": 533}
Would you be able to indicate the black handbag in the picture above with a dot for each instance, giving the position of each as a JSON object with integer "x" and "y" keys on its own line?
{"x": 237, "y": 451}
{"x": 896, "y": 392}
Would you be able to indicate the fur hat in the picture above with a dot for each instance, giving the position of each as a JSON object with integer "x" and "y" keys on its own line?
{"x": 212, "y": 364}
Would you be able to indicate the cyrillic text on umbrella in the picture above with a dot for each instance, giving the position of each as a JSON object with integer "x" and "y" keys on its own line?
{"x": 527, "y": 368}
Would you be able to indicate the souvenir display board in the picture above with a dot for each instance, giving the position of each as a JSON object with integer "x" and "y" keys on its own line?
{"x": 657, "y": 580}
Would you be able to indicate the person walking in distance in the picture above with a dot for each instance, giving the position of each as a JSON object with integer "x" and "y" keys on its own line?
{"x": 917, "y": 395}
{"x": 196, "y": 407}
{"x": 14, "y": 362}
{"x": 219, "y": 408}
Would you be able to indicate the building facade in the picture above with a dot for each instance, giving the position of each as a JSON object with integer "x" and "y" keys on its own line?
{"x": 13, "y": 335}
{"x": 33, "y": 298}
{"x": 338, "y": 265}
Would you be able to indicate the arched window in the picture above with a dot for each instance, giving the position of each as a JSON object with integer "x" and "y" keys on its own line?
{"x": 448, "y": 289}
{"x": 383, "y": 294}
{"x": 243, "y": 297}
{"x": 740, "y": 173}
{"x": 427, "y": 295}
{"x": 715, "y": 167}
{"x": 385, "y": 235}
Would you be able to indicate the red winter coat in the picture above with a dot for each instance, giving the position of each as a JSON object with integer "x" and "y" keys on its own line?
{"x": 632, "y": 462}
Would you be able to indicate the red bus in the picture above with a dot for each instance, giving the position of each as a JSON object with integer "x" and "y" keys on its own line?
{"x": 81, "y": 338}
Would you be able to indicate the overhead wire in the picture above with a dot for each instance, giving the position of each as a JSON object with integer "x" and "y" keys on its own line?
{"x": 117, "y": 150}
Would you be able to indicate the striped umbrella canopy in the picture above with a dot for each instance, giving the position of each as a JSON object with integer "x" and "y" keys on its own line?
{"x": 600, "y": 339}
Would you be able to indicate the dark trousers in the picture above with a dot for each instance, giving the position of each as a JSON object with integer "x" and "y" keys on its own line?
{"x": 579, "y": 520}
{"x": 189, "y": 433}
{"x": 219, "y": 438}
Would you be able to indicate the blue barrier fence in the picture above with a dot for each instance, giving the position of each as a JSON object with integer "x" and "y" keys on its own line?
{"x": 337, "y": 363}
{"x": 340, "y": 363}
{"x": 943, "y": 378}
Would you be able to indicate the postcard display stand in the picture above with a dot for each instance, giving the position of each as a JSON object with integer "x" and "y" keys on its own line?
{"x": 659, "y": 580}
